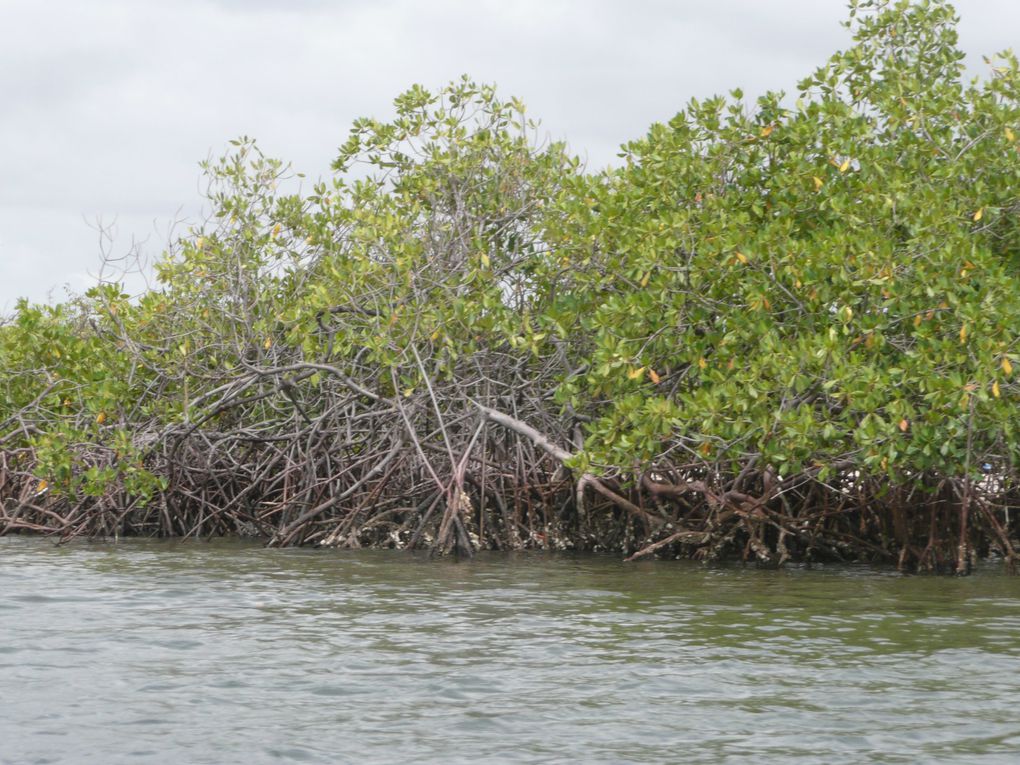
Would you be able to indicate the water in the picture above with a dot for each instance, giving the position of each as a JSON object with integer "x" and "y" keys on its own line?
{"x": 148, "y": 652}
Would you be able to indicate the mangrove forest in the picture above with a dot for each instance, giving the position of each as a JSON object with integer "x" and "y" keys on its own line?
{"x": 781, "y": 329}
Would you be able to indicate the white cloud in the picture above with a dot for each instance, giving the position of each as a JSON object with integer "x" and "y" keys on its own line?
{"x": 109, "y": 105}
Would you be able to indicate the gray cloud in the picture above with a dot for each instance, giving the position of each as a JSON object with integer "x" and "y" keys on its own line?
{"x": 109, "y": 105}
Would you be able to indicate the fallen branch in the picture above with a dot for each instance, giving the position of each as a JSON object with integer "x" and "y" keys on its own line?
{"x": 696, "y": 537}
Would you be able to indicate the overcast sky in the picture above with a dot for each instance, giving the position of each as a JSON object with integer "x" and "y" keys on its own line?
{"x": 109, "y": 105}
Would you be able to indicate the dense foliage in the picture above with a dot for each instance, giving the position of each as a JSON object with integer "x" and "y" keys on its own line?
{"x": 783, "y": 329}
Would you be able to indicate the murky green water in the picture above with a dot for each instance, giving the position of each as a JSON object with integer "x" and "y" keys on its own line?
{"x": 229, "y": 653}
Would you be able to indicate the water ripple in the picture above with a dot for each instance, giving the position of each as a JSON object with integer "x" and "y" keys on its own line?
{"x": 148, "y": 652}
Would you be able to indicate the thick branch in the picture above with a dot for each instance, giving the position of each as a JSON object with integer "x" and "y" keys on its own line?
{"x": 544, "y": 443}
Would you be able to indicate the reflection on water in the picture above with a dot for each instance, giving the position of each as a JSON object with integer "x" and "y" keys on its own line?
{"x": 223, "y": 652}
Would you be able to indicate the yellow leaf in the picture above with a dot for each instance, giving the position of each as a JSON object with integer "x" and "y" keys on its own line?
{"x": 963, "y": 334}
{"x": 200, "y": 243}
{"x": 101, "y": 418}
{"x": 845, "y": 166}
{"x": 408, "y": 392}
{"x": 1010, "y": 136}
{"x": 917, "y": 320}
{"x": 276, "y": 230}
{"x": 634, "y": 374}
{"x": 702, "y": 363}
{"x": 654, "y": 377}
{"x": 818, "y": 182}
{"x": 741, "y": 257}
{"x": 848, "y": 312}
{"x": 434, "y": 335}
{"x": 485, "y": 260}
{"x": 645, "y": 278}
{"x": 1007, "y": 367}
{"x": 767, "y": 131}
{"x": 904, "y": 425}
{"x": 979, "y": 214}
{"x": 995, "y": 389}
